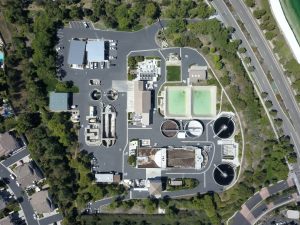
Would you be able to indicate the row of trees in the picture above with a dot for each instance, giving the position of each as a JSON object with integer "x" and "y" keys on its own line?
{"x": 268, "y": 24}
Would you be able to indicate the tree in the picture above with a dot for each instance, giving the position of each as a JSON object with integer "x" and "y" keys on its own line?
{"x": 268, "y": 104}
{"x": 264, "y": 94}
{"x": 27, "y": 121}
{"x": 242, "y": 50}
{"x": 273, "y": 112}
{"x": 251, "y": 68}
{"x": 205, "y": 50}
{"x": 247, "y": 60}
{"x": 250, "y": 3}
{"x": 270, "y": 35}
{"x": 258, "y": 13}
{"x": 152, "y": 10}
{"x": 132, "y": 160}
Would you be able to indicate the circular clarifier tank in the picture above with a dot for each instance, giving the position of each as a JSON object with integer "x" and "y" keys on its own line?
{"x": 112, "y": 95}
{"x": 169, "y": 128}
{"x": 224, "y": 174}
{"x": 96, "y": 94}
{"x": 194, "y": 128}
{"x": 224, "y": 127}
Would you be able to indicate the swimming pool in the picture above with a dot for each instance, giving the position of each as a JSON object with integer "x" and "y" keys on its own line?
{"x": 1, "y": 57}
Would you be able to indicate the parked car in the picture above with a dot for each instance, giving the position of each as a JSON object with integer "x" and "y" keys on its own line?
{"x": 85, "y": 24}
{"x": 102, "y": 64}
{"x": 12, "y": 176}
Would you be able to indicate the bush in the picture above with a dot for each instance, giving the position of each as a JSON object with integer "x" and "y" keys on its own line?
{"x": 270, "y": 35}
{"x": 258, "y": 13}
{"x": 250, "y": 3}
{"x": 205, "y": 50}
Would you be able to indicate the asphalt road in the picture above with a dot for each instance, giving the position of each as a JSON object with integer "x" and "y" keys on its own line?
{"x": 18, "y": 192}
{"x": 290, "y": 128}
{"x": 51, "y": 219}
{"x": 16, "y": 157}
{"x": 269, "y": 59}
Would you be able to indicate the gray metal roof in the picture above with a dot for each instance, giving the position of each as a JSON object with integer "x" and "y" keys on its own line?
{"x": 76, "y": 52}
{"x": 95, "y": 51}
{"x": 58, "y": 101}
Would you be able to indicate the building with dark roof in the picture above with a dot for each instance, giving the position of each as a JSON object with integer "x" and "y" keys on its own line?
{"x": 58, "y": 102}
{"x": 8, "y": 143}
{"x": 76, "y": 57}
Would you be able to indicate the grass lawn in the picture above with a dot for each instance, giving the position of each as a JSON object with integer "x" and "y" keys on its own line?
{"x": 173, "y": 73}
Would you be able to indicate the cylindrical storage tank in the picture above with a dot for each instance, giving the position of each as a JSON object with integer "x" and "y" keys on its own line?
{"x": 169, "y": 128}
{"x": 194, "y": 128}
{"x": 224, "y": 127}
{"x": 224, "y": 174}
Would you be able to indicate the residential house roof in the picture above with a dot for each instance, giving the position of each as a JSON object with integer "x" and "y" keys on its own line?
{"x": 8, "y": 143}
{"x": 41, "y": 202}
{"x": 27, "y": 174}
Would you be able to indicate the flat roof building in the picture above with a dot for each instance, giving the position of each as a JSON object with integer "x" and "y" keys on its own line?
{"x": 95, "y": 51}
{"x": 107, "y": 178}
{"x": 139, "y": 101}
{"x": 187, "y": 157}
{"x": 197, "y": 74}
{"x": 76, "y": 53}
{"x": 154, "y": 187}
{"x": 8, "y": 143}
{"x": 58, "y": 102}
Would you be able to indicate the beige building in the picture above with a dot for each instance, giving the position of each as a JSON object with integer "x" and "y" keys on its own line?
{"x": 41, "y": 202}
{"x": 154, "y": 187}
{"x": 8, "y": 143}
{"x": 197, "y": 74}
{"x": 139, "y": 102}
{"x": 27, "y": 174}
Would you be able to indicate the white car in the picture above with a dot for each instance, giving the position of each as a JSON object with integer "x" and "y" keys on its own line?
{"x": 17, "y": 183}
{"x": 112, "y": 48}
{"x": 85, "y": 24}
{"x": 102, "y": 65}
{"x": 112, "y": 57}
{"x": 74, "y": 106}
{"x": 12, "y": 176}
{"x": 34, "y": 216}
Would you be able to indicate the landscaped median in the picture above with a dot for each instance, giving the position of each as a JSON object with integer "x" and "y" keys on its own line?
{"x": 181, "y": 184}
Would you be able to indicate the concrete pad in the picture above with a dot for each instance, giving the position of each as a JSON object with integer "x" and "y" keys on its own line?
{"x": 290, "y": 182}
{"x": 152, "y": 172}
